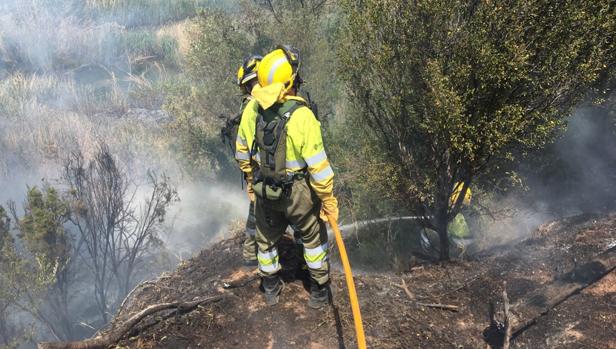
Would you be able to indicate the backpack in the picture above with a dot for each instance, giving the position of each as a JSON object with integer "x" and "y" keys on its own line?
{"x": 271, "y": 178}
{"x": 229, "y": 131}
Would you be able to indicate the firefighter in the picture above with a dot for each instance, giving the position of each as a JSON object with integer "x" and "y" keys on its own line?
{"x": 247, "y": 80}
{"x": 292, "y": 177}
{"x": 460, "y": 236}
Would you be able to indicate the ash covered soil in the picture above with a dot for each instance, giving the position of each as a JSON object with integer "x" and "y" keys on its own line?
{"x": 560, "y": 282}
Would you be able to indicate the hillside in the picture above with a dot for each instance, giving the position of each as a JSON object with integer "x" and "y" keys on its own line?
{"x": 560, "y": 283}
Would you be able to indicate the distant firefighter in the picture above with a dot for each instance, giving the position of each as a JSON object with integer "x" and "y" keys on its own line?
{"x": 461, "y": 238}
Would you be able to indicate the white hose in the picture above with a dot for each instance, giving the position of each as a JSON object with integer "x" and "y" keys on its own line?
{"x": 356, "y": 225}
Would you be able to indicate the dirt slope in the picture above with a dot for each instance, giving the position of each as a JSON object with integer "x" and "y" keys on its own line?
{"x": 537, "y": 270}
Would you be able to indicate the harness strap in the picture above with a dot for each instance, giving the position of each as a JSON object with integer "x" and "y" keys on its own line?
{"x": 279, "y": 128}
{"x": 272, "y": 130}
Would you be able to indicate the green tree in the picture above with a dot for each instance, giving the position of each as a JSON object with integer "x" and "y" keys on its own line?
{"x": 457, "y": 91}
{"x": 22, "y": 279}
{"x": 7, "y": 251}
{"x": 42, "y": 225}
{"x": 207, "y": 92}
{"x": 310, "y": 26}
{"x": 41, "y": 229}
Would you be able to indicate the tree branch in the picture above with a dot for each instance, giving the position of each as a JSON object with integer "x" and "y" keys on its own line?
{"x": 108, "y": 339}
{"x": 271, "y": 8}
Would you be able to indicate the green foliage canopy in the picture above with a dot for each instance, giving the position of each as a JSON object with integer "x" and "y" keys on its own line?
{"x": 42, "y": 226}
{"x": 450, "y": 90}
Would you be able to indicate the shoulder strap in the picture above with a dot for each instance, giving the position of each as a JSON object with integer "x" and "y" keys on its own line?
{"x": 285, "y": 112}
{"x": 286, "y": 109}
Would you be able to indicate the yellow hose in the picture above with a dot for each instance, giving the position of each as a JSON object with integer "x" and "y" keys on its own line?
{"x": 348, "y": 274}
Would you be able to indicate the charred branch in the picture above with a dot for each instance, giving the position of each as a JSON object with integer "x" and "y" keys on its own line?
{"x": 112, "y": 337}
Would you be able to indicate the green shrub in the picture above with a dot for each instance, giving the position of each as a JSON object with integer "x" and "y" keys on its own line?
{"x": 195, "y": 130}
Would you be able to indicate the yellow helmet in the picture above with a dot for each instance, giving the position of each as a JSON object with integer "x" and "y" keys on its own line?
{"x": 457, "y": 189}
{"x": 248, "y": 69}
{"x": 280, "y": 66}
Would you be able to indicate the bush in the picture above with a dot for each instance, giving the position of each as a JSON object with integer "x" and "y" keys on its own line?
{"x": 451, "y": 91}
{"x": 195, "y": 131}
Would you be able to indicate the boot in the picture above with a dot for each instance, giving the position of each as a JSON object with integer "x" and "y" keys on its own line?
{"x": 319, "y": 295}
{"x": 272, "y": 286}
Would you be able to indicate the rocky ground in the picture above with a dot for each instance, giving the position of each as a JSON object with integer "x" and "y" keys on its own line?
{"x": 560, "y": 283}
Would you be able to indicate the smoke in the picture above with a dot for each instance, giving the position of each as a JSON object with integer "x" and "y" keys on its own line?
{"x": 75, "y": 73}
{"x": 575, "y": 175}
{"x": 588, "y": 151}
{"x": 39, "y": 36}
{"x": 578, "y": 175}
{"x": 204, "y": 215}
{"x": 69, "y": 76}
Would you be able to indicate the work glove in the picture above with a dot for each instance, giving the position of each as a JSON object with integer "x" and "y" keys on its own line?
{"x": 329, "y": 208}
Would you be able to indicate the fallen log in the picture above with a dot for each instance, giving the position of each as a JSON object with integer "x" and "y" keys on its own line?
{"x": 114, "y": 335}
{"x": 439, "y": 306}
{"x": 507, "y": 319}
{"x": 129, "y": 295}
{"x": 406, "y": 290}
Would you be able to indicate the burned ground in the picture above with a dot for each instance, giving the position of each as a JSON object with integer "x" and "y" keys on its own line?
{"x": 546, "y": 277}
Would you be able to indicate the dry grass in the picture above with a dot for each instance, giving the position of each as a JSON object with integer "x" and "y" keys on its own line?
{"x": 21, "y": 93}
{"x": 38, "y": 39}
{"x": 182, "y": 32}
{"x": 43, "y": 118}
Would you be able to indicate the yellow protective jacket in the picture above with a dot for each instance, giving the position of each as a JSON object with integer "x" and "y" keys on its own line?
{"x": 304, "y": 146}
{"x": 245, "y": 136}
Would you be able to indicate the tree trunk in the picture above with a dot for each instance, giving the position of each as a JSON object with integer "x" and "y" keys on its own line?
{"x": 126, "y": 281}
{"x": 101, "y": 298}
{"x": 441, "y": 203}
{"x": 441, "y": 229}
{"x": 4, "y": 331}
